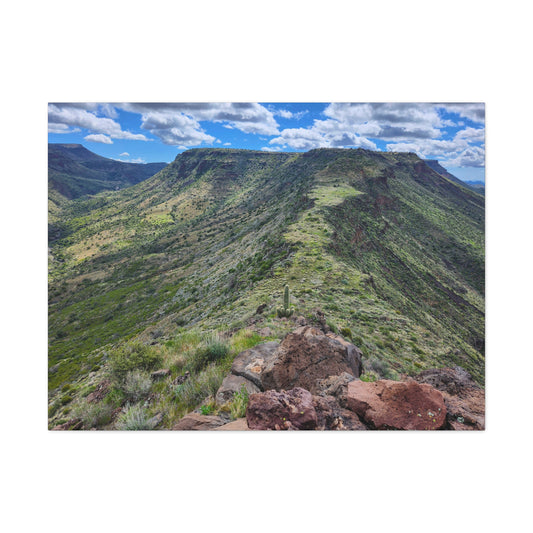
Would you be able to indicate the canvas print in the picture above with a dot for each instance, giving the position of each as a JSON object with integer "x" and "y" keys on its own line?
{"x": 266, "y": 266}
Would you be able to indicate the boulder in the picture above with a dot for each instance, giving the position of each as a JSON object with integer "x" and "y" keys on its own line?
{"x": 237, "y": 425}
{"x": 251, "y": 363}
{"x": 231, "y": 385}
{"x": 386, "y": 404}
{"x": 464, "y": 399}
{"x": 100, "y": 392}
{"x": 336, "y": 386}
{"x": 292, "y": 409}
{"x": 331, "y": 416}
{"x": 198, "y": 422}
{"x": 307, "y": 355}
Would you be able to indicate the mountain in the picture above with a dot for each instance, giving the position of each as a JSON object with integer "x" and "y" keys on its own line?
{"x": 379, "y": 246}
{"x": 478, "y": 186}
{"x": 74, "y": 171}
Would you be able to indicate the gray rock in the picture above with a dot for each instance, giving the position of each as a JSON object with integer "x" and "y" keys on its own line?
{"x": 231, "y": 385}
{"x": 251, "y": 363}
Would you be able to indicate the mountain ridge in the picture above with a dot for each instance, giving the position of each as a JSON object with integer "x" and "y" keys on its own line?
{"x": 386, "y": 247}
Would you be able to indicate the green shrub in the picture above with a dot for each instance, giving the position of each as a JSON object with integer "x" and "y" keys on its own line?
{"x": 132, "y": 356}
{"x": 212, "y": 350}
{"x": 93, "y": 414}
{"x": 137, "y": 385}
{"x": 346, "y": 332}
{"x": 134, "y": 418}
{"x": 239, "y": 403}
{"x": 198, "y": 388}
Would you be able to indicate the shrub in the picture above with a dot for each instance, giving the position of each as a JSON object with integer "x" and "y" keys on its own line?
{"x": 93, "y": 414}
{"x": 346, "y": 332}
{"x": 214, "y": 349}
{"x": 132, "y": 356}
{"x": 239, "y": 403}
{"x": 198, "y": 388}
{"x": 137, "y": 385}
{"x": 135, "y": 418}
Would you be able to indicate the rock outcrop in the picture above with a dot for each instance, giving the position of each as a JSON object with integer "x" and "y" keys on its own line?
{"x": 233, "y": 384}
{"x": 386, "y": 404}
{"x": 465, "y": 401}
{"x": 251, "y": 363}
{"x": 307, "y": 355}
{"x": 198, "y": 422}
{"x": 291, "y": 409}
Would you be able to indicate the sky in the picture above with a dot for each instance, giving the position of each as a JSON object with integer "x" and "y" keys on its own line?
{"x": 452, "y": 133}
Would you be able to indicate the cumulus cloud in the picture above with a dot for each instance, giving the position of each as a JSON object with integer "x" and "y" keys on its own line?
{"x": 388, "y": 121}
{"x": 61, "y": 128}
{"x": 472, "y": 111}
{"x": 175, "y": 129}
{"x": 271, "y": 149}
{"x": 247, "y": 117}
{"x": 98, "y": 138}
{"x": 323, "y": 134}
{"x": 83, "y": 116}
{"x": 471, "y": 134}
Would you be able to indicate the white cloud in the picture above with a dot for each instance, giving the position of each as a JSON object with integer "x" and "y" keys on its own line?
{"x": 61, "y": 128}
{"x": 271, "y": 149}
{"x": 323, "y": 134}
{"x": 473, "y": 112}
{"x": 471, "y": 134}
{"x": 454, "y": 153}
{"x": 98, "y": 138}
{"x": 247, "y": 117}
{"x": 124, "y": 154}
{"x": 227, "y": 144}
{"x": 388, "y": 121}
{"x": 78, "y": 116}
{"x": 175, "y": 129}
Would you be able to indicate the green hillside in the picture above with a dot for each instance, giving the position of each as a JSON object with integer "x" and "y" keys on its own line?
{"x": 390, "y": 250}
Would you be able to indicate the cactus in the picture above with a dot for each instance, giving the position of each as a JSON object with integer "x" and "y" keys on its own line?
{"x": 286, "y": 310}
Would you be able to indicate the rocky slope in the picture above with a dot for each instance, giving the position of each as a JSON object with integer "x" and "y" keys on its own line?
{"x": 377, "y": 246}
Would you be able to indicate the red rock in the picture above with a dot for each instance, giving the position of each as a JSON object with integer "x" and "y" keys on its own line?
{"x": 307, "y": 355}
{"x": 331, "y": 416}
{"x": 464, "y": 399}
{"x": 386, "y": 404}
{"x": 198, "y": 422}
{"x": 100, "y": 392}
{"x": 278, "y": 410}
{"x": 237, "y": 425}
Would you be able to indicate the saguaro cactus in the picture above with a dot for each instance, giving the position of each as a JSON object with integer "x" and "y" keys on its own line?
{"x": 286, "y": 310}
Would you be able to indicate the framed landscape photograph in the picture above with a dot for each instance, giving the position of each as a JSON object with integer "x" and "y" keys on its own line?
{"x": 266, "y": 266}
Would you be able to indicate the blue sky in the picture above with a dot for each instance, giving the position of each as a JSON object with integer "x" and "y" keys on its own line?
{"x": 147, "y": 132}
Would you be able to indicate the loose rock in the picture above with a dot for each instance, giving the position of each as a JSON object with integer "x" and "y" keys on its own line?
{"x": 386, "y": 404}
{"x": 279, "y": 410}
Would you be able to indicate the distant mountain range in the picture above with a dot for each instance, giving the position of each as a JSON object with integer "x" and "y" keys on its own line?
{"x": 74, "y": 171}
{"x": 478, "y": 186}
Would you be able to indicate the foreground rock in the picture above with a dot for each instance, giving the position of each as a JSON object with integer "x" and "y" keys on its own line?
{"x": 237, "y": 425}
{"x": 251, "y": 363}
{"x": 331, "y": 416}
{"x": 307, "y": 355}
{"x": 233, "y": 384}
{"x": 198, "y": 422}
{"x": 464, "y": 399}
{"x": 291, "y": 409}
{"x": 403, "y": 405}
